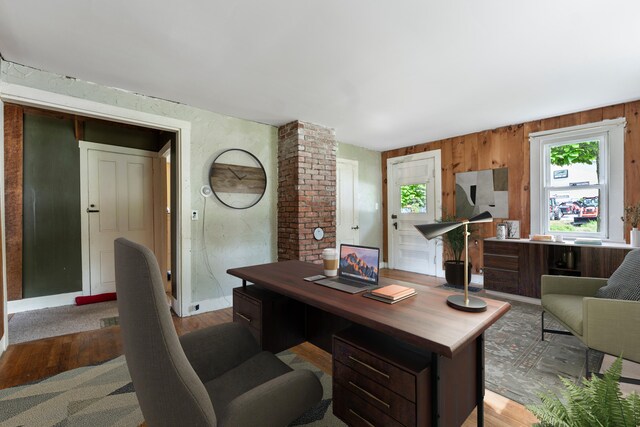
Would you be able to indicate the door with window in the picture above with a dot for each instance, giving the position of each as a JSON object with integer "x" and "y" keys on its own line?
{"x": 120, "y": 204}
{"x": 414, "y": 194}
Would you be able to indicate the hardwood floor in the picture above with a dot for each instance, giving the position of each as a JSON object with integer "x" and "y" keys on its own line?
{"x": 26, "y": 362}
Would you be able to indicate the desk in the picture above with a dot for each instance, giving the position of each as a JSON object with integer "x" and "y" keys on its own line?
{"x": 451, "y": 341}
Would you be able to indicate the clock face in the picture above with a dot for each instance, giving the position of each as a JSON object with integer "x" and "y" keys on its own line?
{"x": 318, "y": 233}
{"x": 237, "y": 179}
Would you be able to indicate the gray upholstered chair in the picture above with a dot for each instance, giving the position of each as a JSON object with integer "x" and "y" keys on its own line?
{"x": 216, "y": 376}
{"x": 594, "y": 315}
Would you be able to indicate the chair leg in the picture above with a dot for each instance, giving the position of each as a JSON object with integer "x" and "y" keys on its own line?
{"x": 586, "y": 364}
{"x": 542, "y": 326}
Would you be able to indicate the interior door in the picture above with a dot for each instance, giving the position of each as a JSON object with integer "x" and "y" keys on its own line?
{"x": 413, "y": 200}
{"x": 120, "y": 198}
{"x": 347, "y": 215}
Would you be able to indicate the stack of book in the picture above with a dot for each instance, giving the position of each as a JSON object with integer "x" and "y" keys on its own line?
{"x": 391, "y": 294}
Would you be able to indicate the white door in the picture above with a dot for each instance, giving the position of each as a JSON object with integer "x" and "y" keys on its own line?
{"x": 120, "y": 204}
{"x": 414, "y": 194}
{"x": 347, "y": 226}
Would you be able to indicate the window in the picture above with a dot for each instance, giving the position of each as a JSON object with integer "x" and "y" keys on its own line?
{"x": 577, "y": 180}
{"x": 413, "y": 198}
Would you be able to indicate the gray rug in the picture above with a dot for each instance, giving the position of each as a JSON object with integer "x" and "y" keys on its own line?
{"x": 103, "y": 395}
{"x": 519, "y": 365}
{"x": 52, "y": 322}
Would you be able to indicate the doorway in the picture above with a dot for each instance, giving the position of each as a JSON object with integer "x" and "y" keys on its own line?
{"x": 347, "y": 210}
{"x": 415, "y": 197}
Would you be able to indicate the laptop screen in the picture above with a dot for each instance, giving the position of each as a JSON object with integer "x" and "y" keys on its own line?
{"x": 359, "y": 262}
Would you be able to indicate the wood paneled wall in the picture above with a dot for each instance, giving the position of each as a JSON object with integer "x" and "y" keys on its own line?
{"x": 13, "y": 178}
{"x": 509, "y": 147}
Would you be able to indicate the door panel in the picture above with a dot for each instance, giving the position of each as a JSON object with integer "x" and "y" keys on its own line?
{"x": 413, "y": 201}
{"x": 120, "y": 188}
{"x": 347, "y": 214}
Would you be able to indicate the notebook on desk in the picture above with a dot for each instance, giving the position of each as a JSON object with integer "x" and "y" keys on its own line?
{"x": 357, "y": 270}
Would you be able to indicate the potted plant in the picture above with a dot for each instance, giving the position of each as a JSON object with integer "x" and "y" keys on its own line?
{"x": 454, "y": 246}
{"x": 598, "y": 402}
{"x": 632, "y": 217}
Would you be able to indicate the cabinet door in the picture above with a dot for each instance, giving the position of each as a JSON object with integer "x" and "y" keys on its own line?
{"x": 600, "y": 262}
{"x": 533, "y": 264}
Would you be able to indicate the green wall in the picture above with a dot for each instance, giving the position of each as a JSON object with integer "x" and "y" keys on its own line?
{"x": 104, "y": 133}
{"x": 51, "y": 208}
{"x": 369, "y": 191}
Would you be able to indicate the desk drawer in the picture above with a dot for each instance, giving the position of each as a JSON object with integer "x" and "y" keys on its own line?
{"x": 374, "y": 394}
{"x": 356, "y": 412}
{"x": 501, "y": 248}
{"x": 247, "y": 311}
{"x": 376, "y": 369}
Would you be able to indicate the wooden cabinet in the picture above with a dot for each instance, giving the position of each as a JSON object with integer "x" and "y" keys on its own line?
{"x": 515, "y": 266}
{"x": 277, "y": 322}
{"x": 378, "y": 383}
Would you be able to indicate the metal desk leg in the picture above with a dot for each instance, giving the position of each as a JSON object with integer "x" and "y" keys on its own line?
{"x": 480, "y": 380}
{"x": 244, "y": 284}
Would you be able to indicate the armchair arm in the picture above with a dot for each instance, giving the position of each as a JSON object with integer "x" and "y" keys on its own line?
{"x": 569, "y": 285}
{"x": 611, "y": 326}
{"x": 217, "y": 349}
{"x": 275, "y": 403}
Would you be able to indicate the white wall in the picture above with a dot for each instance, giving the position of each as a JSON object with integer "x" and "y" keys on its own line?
{"x": 223, "y": 238}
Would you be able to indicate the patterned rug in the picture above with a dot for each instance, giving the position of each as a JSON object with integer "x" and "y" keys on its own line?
{"x": 103, "y": 395}
{"x": 519, "y": 364}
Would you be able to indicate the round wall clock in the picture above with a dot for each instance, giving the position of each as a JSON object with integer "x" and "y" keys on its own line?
{"x": 237, "y": 178}
{"x": 318, "y": 233}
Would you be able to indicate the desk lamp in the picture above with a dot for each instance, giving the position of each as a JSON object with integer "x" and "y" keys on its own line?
{"x": 429, "y": 231}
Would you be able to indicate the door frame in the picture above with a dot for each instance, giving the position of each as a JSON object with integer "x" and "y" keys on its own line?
{"x": 85, "y": 146}
{"x": 356, "y": 183}
{"x": 23, "y": 95}
{"x": 393, "y": 161}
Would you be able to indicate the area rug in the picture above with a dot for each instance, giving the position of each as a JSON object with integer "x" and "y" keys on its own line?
{"x": 52, "y": 322}
{"x": 518, "y": 364}
{"x": 103, "y": 395}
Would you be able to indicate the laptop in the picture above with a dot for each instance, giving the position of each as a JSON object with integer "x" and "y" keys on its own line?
{"x": 357, "y": 270}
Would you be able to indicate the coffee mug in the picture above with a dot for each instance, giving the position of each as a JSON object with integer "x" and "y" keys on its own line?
{"x": 330, "y": 262}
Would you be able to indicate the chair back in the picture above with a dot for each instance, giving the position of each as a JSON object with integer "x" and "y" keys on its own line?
{"x": 168, "y": 389}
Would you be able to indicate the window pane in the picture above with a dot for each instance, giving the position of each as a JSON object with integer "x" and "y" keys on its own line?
{"x": 574, "y": 164}
{"x": 413, "y": 198}
{"x": 575, "y": 211}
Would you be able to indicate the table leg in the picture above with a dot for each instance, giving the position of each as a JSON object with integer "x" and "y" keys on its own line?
{"x": 480, "y": 380}
{"x": 244, "y": 284}
{"x": 435, "y": 390}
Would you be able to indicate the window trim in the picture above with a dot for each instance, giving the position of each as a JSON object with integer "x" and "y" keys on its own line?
{"x": 611, "y": 175}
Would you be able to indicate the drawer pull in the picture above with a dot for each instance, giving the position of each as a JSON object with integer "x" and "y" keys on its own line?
{"x": 361, "y": 417}
{"x": 366, "y": 365}
{"x": 244, "y": 317}
{"x": 370, "y": 395}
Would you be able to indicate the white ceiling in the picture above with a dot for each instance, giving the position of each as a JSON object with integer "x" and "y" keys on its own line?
{"x": 384, "y": 74}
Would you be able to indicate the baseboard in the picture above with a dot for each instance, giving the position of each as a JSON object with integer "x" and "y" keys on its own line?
{"x": 38, "y": 303}
{"x": 207, "y": 305}
{"x": 3, "y": 344}
{"x": 514, "y": 297}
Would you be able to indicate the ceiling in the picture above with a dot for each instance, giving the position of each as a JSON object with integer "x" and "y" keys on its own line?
{"x": 384, "y": 74}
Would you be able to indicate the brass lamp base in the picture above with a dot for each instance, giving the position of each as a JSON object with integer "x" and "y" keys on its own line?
{"x": 474, "y": 305}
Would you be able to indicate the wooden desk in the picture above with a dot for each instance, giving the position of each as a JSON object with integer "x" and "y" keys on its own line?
{"x": 450, "y": 340}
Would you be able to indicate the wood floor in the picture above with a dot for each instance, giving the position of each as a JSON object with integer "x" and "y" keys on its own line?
{"x": 26, "y": 362}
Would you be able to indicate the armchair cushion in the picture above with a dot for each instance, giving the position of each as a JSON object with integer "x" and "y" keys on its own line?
{"x": 624, "y": 283}
{"x": 567, "y": 309}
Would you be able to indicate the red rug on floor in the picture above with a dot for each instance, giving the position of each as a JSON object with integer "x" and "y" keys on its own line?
{"x": 91, "y": 299}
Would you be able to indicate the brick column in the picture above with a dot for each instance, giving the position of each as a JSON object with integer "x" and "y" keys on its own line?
{"x": 306, "y": 190}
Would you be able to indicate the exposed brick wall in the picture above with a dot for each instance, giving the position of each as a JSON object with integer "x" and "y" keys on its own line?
{"x": 306, "y": 190}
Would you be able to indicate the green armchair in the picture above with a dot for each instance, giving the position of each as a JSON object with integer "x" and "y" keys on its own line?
{"x": 607, "y": 325}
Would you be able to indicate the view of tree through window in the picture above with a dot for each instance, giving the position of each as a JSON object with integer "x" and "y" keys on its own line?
{"x": 413, "y": 198}
{"x": 574, "y": 193}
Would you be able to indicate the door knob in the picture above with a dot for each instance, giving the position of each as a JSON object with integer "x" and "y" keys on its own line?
{"x": 355, "y": 228}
